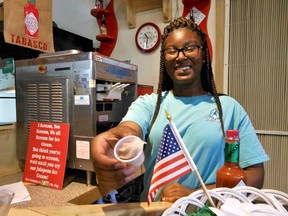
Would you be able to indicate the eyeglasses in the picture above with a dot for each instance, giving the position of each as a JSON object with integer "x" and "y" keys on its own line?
{"x": 190, "y": 51}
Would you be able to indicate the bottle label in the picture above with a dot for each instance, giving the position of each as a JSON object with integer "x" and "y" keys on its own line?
{"x": 232, "y": 152}
{"x": 31, "y": 23}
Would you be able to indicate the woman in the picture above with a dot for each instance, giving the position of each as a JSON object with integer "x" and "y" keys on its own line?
{"x": 187, "y": 91}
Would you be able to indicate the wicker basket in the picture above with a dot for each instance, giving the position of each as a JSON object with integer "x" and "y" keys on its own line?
{"x": 243, "y": 194}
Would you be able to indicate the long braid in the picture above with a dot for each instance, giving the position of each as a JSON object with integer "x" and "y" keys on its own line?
{"x": 207, "y": 78}
{"x": 210, "y": 77}
{"x": 213, "y": 91}
{"x": 159, "y": 94}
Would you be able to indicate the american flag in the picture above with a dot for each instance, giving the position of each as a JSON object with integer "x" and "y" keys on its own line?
{"x": 171, "y": 163}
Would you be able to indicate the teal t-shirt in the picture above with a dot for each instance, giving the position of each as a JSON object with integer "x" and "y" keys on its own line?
{"x": 197, "y": 121}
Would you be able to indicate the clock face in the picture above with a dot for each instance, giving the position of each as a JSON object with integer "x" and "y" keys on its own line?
{"x": 147, "y": 37}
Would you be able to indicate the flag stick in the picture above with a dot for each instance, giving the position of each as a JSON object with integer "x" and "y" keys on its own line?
{"x": 188, "y": 156}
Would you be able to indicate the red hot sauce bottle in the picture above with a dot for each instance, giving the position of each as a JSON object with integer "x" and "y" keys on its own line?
{"x": 31, "y": 18}
{"x": 230, "y": 174}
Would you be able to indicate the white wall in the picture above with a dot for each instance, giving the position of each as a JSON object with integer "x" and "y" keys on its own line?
{"x": 74, "y": 16}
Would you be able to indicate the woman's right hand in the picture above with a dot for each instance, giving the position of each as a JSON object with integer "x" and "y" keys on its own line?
{"x": 112, "y": 174}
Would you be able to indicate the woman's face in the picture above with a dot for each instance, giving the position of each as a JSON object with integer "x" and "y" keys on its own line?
{"x": 183, "y": 69}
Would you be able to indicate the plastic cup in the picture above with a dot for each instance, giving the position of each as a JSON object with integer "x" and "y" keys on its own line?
{"x": 129, "y": 150}
{"x": 6, "y": 198}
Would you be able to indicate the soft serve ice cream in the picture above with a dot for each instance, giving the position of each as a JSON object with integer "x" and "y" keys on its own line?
{"x": 129, "y": 149}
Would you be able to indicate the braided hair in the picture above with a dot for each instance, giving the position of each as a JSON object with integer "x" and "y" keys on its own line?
{"x": 207, "y": 78}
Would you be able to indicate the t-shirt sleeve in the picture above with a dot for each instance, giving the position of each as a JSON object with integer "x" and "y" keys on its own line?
{"x": 141, "y": 111}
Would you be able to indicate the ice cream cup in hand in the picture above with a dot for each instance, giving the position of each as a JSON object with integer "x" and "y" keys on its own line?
{"x": 129, "y": 150}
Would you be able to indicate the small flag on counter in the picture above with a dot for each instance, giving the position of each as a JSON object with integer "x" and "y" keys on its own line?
{"x": 171, "y": 163}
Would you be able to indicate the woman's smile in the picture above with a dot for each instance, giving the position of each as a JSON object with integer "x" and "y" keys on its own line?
{"x": 183, "y": 68}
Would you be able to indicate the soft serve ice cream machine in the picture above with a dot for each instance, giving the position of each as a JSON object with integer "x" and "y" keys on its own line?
{"x": 89, "y": 91}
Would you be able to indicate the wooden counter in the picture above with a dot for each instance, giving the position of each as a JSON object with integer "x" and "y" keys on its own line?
{"x": 135, "y": 209}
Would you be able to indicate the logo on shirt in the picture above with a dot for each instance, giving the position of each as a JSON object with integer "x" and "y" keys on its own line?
{"x": 213, "y": 115}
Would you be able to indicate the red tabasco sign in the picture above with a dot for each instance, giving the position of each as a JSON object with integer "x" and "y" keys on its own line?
{"x": 46, "y": 154}
{"x": 28, "y": 23}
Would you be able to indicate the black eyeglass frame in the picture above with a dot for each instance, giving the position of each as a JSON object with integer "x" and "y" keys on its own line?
{"x": 182, "y": 50}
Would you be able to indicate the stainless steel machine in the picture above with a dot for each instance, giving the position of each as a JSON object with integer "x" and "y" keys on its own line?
{"x": 89, "y": 91}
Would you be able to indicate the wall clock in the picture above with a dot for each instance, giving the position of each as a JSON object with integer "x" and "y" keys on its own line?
{"x": 148, "y": 37}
